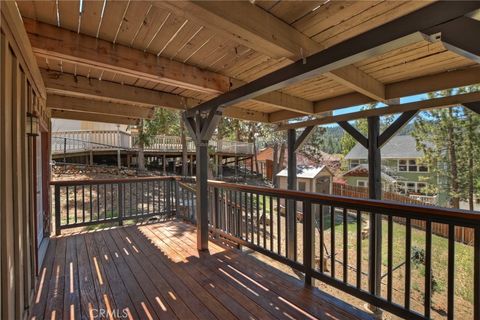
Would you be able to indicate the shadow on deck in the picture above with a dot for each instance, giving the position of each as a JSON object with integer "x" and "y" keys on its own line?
{"x": 154, "y": 271}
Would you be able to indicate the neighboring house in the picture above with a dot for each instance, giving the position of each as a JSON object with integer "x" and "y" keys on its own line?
{"x": 309, "y": 179}
{"x": 265, "y": 161}
{"x": 402, "y": 171}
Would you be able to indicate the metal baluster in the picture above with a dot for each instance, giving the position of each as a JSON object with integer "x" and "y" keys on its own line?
{"x": 345, "y": 246}
{"x": 57, "y": 211}
{"x": 390, "y": 258}
{"x": 264, "y": 223}
{"x": 68, "y": 205}
{"x": 257, "y": 196}
{"x": 83, "y": 203}
{"x": 308, "y": 241}
{"x": 271, "y": 223}
{"x": 148, "y": 197}
{"x": 321, "y": 236}
{"x": 105, "y": 201}
{"x": 238, "y": 211}
{"x": 251, "y": 219}
{"x": 120, "y": 203}
{"x": 245, "y": 196}
{"x": 332, "y": 240}
{"x": 279, "y": 229}
{"x": 359, "y": 249}
{"x": 451, "y": 272}
{"x": 111, "y": 200}
{"x": 91, "y": 203}
{"x": 75, "y": 203}
{"x": 408, "y": 257}
{"x": 428, "y": 268}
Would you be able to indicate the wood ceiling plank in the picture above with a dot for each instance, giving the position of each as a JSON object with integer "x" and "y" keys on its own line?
{"x": 46, "y": 11}
{"x": 112, "y": 19}
{"x": 133, "y": 21}
{"x": 69, "y": 13}
{"x": 27, "y": 9}
{"x": 375, "y": 11}
{"x": 291, "y": 12}
{"x": 151, "y": 26}
{"x": 91, "y": 17}
{"x": 405, "y": 8}
{"x": 329, "y": 15}
{"x": 181, "y": 39}
{"x": 170, "y": 31}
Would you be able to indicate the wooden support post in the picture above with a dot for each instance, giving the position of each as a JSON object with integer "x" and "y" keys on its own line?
{"x": 374, "y": 192}
{"x": 291, "y": 185}
{"x": 201, "y": 130}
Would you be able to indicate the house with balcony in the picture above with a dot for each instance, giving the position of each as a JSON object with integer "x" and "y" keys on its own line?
{"x": 402, "y": 168}
{"x": 189, "y": 247}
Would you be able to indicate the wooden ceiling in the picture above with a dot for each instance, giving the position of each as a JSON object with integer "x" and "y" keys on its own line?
{"x": 197, "y": 50}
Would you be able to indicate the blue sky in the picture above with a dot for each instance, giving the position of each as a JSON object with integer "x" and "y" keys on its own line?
{"x": 417, "y": 97}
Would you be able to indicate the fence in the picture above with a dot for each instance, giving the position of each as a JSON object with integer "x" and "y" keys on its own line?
{"x": 464, "y": 235}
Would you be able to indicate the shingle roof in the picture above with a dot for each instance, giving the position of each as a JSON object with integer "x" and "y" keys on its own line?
{"x": 305, "y": 172}
{"x": 399, "y": 147}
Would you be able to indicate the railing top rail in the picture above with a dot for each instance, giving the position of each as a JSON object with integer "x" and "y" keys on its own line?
{"x": 63, "y": 183}
{"x": 380, "y": 206}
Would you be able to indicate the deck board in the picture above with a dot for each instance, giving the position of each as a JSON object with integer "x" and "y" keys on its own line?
{"x": 153, "y": 271}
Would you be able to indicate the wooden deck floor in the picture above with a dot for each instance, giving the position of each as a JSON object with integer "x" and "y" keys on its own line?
{"x": 154, "y": 271}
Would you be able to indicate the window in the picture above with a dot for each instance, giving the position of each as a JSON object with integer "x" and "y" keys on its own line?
{"x": 421, "y": 187}
{"x": 411, "y": 187}
{"x": 412, "y": 165}
{"x": 362, "y": 183}
{"x": 422, "y": 168}
{"x": 302, "y": 186}
{"x": 354, "y": 163}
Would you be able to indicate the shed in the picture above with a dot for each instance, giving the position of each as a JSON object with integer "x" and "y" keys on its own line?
{"x": 310, "y": 179}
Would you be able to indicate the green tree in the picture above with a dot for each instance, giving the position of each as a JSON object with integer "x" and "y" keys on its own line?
{"x": 448, "y": 138}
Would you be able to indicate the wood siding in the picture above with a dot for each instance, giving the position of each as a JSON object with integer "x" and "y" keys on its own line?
{"x": 21, "y": 91}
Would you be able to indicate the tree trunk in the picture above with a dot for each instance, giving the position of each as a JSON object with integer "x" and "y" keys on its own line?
{"x": 255, "y": 155}
{"x": 183, "y": 138}
{"x": 471, "y": 181}
{"x": 455, "y": 200}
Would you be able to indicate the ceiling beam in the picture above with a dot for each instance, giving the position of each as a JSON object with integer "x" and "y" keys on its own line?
{"x": 387, "y": 37}
{"x": 457, "y": 40}
{"x": 278, "y": 40}
{"x": 400, "y": 108}
{"x": 425, "y": 84}
{"x": 56, "y": 43}
{"x": 85, "y": 116}
{"x": 59, "y": 102}
{"x": 88, "y": 88}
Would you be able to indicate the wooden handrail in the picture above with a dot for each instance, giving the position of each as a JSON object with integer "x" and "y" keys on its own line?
{"x": 368, "y": 205}
{"x": 110, "y": 181}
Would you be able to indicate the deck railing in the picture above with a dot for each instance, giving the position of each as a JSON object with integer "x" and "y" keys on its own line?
{"x": 255, "y": 217}
{"x": 329, "y": 238}
{"x": 83, "y": 203}
{"x": 88, "y": 140}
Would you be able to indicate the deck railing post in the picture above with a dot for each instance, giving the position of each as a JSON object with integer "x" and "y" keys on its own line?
{"x": 120, "y": 204}
{"x": 216, "y": 212}
{"x": 308, "y": 241}
{"x": 57, "y": 210}
{"x": 291, "y": 185}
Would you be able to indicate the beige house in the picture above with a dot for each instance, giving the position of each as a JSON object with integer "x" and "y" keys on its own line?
{"x": 310, "y": 179}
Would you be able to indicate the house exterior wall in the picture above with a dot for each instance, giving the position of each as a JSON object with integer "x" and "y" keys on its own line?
{"x": 22, "y": 94}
